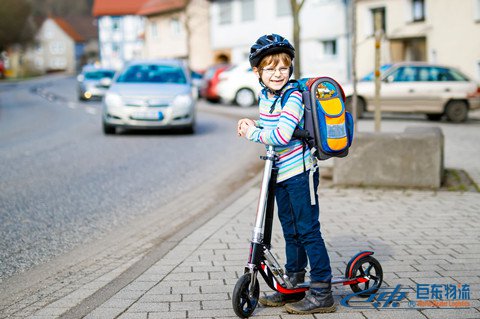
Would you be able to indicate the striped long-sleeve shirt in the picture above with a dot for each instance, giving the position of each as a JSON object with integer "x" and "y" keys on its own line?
{"x": 276, "y": 129}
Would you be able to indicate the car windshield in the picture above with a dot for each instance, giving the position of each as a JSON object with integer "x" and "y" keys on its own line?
{"x": 98, "y": 75}
{"x": 153, "y": 73}
{"x": 371, "y": 76}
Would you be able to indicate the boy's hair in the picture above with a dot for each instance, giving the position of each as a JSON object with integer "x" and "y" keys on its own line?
{"x": 275, "y": 59}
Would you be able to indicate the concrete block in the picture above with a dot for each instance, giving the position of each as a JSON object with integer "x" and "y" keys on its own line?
{"x": 414, "y": 158}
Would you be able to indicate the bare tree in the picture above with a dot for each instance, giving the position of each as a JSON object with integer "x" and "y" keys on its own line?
{"x": 15, "y": 26}
{"x": 296, "y": 6}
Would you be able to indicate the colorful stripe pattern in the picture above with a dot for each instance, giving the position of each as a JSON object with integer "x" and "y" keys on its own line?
{"x": 276, "y": 129}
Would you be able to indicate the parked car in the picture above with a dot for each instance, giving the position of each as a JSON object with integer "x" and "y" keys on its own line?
{"x": 419, "y": 87}
{"x": 93, "y": 82}
{"x": 210, "y": 81}
{"x": 239, "y": 85}
{"x": 150, "y": 95}
{"x": 197, "y": 81}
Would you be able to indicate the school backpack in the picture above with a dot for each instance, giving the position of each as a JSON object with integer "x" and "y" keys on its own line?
{"x": 328, "y": 127}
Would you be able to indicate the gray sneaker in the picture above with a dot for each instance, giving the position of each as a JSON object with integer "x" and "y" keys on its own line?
{"x": 317, "y": 300}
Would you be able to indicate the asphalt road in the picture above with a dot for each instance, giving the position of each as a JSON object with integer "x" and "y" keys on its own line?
{"x": 65, "y": 184}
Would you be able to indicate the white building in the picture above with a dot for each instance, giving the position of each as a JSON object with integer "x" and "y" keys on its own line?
{"x": 236, "y": 24}
{"x": 120, "y": 30}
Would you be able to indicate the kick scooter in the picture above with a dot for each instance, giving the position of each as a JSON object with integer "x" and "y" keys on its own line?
{"x": 363, "y": 272}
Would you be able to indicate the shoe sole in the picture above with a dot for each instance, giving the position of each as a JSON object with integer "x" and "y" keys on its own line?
{"x": 271, "y": 304}
{"x": 316, "y": 310}
{"x": 267, "y": 303}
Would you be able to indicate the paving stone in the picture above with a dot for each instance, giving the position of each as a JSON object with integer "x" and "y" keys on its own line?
{"x": 167, "y": 315}
{"x": 451, "y": 313}
{"x": 145, "y": 307}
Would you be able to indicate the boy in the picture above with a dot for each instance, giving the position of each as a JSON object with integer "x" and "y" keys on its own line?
{"x": 271, "y": 59}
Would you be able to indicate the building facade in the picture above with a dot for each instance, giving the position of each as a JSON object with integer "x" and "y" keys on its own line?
{"x": 120, "y": 31}
{"x": 236, "y": 24}
{"x": 57, "y": 47}
{"x": 178, "y": 29}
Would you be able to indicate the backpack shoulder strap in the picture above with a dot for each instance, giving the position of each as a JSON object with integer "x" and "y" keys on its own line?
{"x": 289, "y": 91}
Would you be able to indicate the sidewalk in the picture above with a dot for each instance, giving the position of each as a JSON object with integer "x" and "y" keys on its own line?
{"x": 418, "y": 236}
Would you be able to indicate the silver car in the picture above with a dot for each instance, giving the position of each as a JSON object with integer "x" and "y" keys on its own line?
{"x": 419, "y": 87}
{"x": 93, "y": 82}
{"x": 150, "y": 95}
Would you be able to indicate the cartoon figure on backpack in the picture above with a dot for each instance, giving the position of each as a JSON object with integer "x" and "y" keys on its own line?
{"x": 324, "y": 92}
{"x": 300, "y": 122}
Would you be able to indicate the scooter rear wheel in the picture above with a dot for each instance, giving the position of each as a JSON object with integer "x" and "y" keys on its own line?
{"x": 367, "y": 266}
{"x": 244, "y": 302}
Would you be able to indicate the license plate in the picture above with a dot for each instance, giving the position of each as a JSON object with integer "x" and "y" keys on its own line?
{"x": 151, "y": 116}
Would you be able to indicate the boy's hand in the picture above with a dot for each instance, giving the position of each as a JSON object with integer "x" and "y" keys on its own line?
{"x": 243, "y": 125}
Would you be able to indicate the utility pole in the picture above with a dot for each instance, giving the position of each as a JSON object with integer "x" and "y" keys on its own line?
{"x": 353, "y": 19}
{"x": 296, "y": 7}
{"x": 378, "y": 38}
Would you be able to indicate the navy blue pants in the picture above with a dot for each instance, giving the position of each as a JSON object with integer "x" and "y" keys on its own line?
{"x": 301, "y": 228}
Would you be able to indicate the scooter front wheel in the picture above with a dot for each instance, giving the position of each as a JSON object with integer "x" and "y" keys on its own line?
{"x": 245, "y": 301}
{"x": 367, "y": 267}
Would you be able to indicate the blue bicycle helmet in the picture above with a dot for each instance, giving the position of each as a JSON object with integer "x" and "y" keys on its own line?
{"x": 267, "y": 45}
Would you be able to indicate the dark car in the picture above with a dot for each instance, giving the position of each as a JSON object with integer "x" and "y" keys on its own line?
{"x": 210, "y": 81}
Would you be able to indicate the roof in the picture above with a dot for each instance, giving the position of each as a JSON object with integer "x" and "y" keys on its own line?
{"x": 86, "y": 26}
{"x": 68, "y": 29}
{"x": 116, "y": 7}
{"x": 152, "y": 7}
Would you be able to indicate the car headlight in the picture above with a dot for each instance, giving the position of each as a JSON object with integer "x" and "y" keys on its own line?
{"x": 182, "y": 101}
{"x": 113, "y": 99}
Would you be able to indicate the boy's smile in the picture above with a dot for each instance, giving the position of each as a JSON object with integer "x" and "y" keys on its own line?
{"x": 275, "y": 77}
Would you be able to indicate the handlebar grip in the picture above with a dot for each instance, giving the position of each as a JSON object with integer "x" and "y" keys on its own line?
{"x": 300, "y": 134}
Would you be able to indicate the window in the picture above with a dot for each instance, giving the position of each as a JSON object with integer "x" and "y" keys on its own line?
{"x": 248, "y": 10}
{"x": 57, "y": 47}
{"x": 115, "y": 23}
{"x": 283, "y": 8}
{"x": 175, "y": 26}
{"x": 476, "y": 13}
{"x": 418, "y": 10}
{"x": 403, "y": 74}
{"x": 154, "y": 30}
{"x": 330, "y": 47}
{"x": 225, "y": 8}
{"x": 380, "y": 11}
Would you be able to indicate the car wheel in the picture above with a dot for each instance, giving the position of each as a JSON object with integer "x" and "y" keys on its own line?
{"x": 360, "y": 106}
{"x": 434, "y": 117}
{"x": 456, "y": 111}
{"x": 245, "y": 98}
{"x": 108, "y": 129}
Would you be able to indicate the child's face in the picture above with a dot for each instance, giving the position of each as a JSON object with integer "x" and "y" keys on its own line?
{"x": 274, "y": 77}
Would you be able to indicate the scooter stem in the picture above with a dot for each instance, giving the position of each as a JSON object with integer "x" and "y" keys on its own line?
{"x": 262, "y": 201}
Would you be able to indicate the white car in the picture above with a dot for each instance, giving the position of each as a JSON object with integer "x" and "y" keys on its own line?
{"x": 419, "y": 87}
{"x": 239, "y": 85}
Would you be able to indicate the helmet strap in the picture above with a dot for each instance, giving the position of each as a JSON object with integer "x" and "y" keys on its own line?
{"x": 275, "y": 93}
